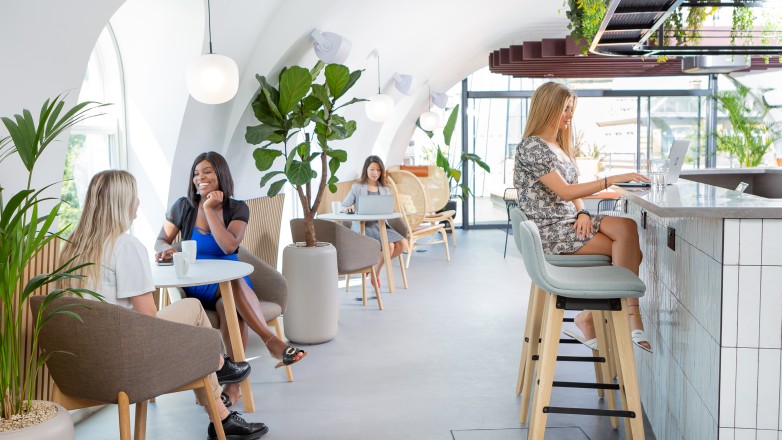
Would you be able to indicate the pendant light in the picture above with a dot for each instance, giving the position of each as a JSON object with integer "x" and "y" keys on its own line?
{"x": 429, "y": 120}
{"x": 380, "y": 106}
{"x": 212, "y": 78}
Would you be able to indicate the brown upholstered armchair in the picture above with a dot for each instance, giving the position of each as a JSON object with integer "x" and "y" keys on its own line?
{"x": 117, "y": 356}
{"x": 356, "y": 253}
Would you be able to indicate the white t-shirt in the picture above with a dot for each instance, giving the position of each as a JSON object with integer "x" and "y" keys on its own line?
{"x": 134, "y": 276}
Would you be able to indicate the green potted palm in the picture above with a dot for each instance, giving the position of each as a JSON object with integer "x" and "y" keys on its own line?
{"x": 749, "y": 137}
{"x": 304, "y": 104}
{"x": 442, "y": 159}
{"x": 25, "y": 230}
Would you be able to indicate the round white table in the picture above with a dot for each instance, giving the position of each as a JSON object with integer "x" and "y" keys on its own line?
{"x": 381, "y": 221}
{"x": 209, "y": 272}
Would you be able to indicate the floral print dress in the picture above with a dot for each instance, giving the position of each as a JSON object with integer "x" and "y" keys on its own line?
{"x": 553, "y": 215}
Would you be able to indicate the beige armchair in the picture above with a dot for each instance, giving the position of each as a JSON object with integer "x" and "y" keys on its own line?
{"x": 356, "y": 253}
{"x": 412, "y": 203}
{"x": 438, "y": 193}
{"x": 117, "y": 356}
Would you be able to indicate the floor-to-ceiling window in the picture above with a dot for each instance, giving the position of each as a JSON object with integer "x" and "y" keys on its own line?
{"x": 97, "y": 143}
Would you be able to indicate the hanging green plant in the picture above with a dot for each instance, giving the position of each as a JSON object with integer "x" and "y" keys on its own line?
{"x": 743, "y": 21}
{"x": 585, "y": 18}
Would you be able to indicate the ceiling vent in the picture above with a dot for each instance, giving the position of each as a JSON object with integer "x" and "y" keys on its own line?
{"x": 714, "y": 64}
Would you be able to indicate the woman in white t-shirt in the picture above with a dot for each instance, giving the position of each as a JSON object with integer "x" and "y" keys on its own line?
{"x": 124, "y": 277}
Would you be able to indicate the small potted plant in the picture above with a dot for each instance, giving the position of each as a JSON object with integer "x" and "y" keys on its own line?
{"x": 25, "y": 230}
{"x": 587, "y": 157}
{"x": 301, "y": 104}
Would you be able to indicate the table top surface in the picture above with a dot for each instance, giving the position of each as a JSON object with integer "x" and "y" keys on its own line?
{"x": 359, "y": 217}
{"x": 686, "y": 198}
{"x": 201, "y": 272}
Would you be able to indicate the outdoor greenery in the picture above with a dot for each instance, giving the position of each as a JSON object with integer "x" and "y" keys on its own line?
{"x": 458, "y": 188}
{"x": 70, "y": 211}
{"x": 25, "y": 229}
{"x": 750, "y": 137}
{"x": 290, "y": 109}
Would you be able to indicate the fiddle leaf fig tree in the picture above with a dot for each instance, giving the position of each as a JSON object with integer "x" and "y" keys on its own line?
{"x": 298, "y": 103}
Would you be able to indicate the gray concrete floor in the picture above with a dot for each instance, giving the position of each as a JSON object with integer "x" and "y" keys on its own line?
{"x": 438, "y": 363}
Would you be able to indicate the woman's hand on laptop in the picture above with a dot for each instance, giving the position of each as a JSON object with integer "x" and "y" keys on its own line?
{"x": 351, "y": 208}
{"x": 627, "y": 177}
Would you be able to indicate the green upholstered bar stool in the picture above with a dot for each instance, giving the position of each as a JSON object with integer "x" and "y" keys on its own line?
{"x": 529, "y": 351}
{"x": 603, "y": 290}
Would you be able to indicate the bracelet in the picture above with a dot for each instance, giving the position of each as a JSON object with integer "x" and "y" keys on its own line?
{"x": 583, "y": 211}
{"x": 605, "y": 182}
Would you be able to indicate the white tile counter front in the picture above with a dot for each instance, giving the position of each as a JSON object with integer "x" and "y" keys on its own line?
{"x": 713, "y": 311}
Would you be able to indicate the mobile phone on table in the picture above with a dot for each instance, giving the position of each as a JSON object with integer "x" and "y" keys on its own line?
{"x": 167, "y": 260}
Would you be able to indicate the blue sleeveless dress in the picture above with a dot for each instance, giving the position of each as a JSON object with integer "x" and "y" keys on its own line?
{"x": 208, "y": 249}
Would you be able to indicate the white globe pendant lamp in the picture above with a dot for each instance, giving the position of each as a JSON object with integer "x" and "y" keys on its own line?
{"x": 212, "y": 78}
{"x": 379, "y": 107}
{"x": 429, "y": 120}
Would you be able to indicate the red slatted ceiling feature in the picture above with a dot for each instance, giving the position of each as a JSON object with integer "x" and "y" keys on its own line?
{"x": 561, "y": 58}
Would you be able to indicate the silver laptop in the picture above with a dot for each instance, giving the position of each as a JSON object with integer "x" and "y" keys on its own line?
{"x": 675, "y": 161}
{"x": 374, "y": 204}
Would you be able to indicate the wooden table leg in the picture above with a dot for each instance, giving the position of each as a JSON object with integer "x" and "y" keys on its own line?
{"x": 232, "y": 319}
{"x": 386, "y": 255}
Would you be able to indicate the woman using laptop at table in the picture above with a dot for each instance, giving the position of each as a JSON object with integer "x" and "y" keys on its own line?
{"x": 549, "y": 193}
{"x": 123, "y": 276}
{"x": 217, "y": 223}
{"x": 373, "y": 182}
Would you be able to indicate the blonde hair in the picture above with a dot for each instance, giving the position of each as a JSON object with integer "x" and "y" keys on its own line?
{"x": 548, "y": 104}
{"x": 106, "y": 215}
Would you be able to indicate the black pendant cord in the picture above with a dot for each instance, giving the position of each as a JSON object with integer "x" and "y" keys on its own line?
{"x": 209, "y": 23}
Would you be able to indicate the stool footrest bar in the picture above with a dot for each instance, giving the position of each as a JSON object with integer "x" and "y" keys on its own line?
{"x": 588, "y": 412}
{"x": 590, "y": 385}
{"x": 574, "y": 358}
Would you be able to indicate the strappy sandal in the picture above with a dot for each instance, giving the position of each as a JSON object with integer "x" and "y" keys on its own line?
{"x": 289, "y": 356}
{"x": 639, "y": 336}
{"x": 590, "y": 343}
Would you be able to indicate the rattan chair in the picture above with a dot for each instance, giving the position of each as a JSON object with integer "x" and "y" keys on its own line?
{"x": 93, "y": 363}
{"x": 438, "y": 194}
{"x": 411, "y": 203}
{"x": 356, "y": 253}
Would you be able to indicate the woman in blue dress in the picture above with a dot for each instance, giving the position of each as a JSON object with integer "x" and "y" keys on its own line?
{"x": 217, "y": 223}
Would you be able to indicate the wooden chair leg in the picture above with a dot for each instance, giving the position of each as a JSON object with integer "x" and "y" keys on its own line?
{"x": 525, "y": 360}
{"x": 278, "y": 328}
{"x": 601, "y": 368}
{"x": 445, "y": 243}
{"x": 597, "y": 319}
{"x": 548, "y": 361}
{"x": 453, "y": 231}
{"x": 211, "y": 408}
{"x": 410, "y": 250}
{"x": 140, "y": 429}
{"x": 364, "y": 288}
{"x": 402, "y": 268}
{"x": 377, "y": 291}
{"x": 540, "y": 309}
{"x": 347, "y": 281}
{"x": 626, "y": 373}
{"x": 123, "y": 406}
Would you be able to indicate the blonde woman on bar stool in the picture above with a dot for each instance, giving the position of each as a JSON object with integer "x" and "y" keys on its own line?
{"x": 549, "y": 193}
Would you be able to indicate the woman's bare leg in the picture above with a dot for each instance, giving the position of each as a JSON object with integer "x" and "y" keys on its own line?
{"x": 617, "y": 238}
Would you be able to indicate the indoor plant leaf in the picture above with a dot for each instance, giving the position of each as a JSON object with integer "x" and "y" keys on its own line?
{"x": 295, "y": 82}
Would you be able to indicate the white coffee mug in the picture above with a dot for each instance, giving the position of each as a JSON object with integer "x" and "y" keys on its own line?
{"x": 190, "y": 246}
{"x": 181, "y": 263}
{"x": 336, "y": 207}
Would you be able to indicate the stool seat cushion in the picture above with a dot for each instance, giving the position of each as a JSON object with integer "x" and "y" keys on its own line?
{"x": 577, "y": 260}
{"x": 598, "y": 282}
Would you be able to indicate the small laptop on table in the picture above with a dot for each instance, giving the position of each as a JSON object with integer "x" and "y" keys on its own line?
{"x": 374, "y": 205}
{"x": 675, "y": 162}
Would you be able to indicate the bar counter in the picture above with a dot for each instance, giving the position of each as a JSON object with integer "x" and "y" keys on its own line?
{"x": 713, "y": 311}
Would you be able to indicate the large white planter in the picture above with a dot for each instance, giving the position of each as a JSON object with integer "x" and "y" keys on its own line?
{"x": 59, "y": 427}
{"x": 312, "y": 313}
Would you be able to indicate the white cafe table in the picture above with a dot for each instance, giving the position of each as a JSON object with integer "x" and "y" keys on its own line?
{"x": 209, "y": 272}
{"x": 381, "y": 221}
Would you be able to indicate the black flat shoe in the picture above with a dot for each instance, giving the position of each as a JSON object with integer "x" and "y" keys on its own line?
{"x": 291, "y": 356}
{"x": 236, "y": 428}
{"x": 226, "y": 400}
{"x": 232, "y": 372}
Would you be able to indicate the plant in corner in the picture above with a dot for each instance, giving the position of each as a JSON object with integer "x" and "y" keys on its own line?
{"x": 25, "y": 230}
{"x": 284, "y": 112}
{"x": 750, "y": 137}
{"x": 458, "y": 189}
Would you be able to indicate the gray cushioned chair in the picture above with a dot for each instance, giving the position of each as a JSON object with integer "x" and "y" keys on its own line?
{"x": 356, "y": 253}
{"x": 117, "y": 356}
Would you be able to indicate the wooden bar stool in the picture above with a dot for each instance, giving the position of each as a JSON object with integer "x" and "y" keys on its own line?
{"x": 600, "y": 289}
{"x": 529, "y": 351}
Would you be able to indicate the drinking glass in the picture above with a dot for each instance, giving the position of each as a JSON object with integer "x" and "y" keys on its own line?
{"x": 658, "y": 170}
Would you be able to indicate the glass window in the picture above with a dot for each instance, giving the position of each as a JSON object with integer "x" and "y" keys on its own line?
{"x": 97, "y": 143}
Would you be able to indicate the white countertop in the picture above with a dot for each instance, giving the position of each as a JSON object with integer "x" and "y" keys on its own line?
{"x": 691, "y": 199}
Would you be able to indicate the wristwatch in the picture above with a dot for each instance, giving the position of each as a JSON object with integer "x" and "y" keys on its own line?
{"x": 583, "y": 211}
